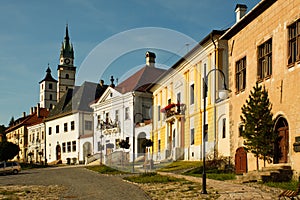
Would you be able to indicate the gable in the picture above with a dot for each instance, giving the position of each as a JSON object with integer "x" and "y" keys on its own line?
{"x": 108, "y": 94}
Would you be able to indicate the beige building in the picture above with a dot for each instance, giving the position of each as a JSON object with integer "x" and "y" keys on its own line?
{"x": 18, "y": 133}
{"x": 264, "y": 46}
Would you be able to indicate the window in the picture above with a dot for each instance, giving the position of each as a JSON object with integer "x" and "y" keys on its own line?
{"x": 50, "y": 130}
{"x": 264, "y": 60}
{"x": 72, "y": 125}
{"x": 57, "y": 128}
{"x": 50, "y": 97}
{"x": 107, "y": 118}
{"x": 224, "y": 128}
{"x": 178, "y": 97}
{"x": 126, "y": 113}
{"x": 159, "y": 145}
{"x": 192, "y": 94}
{"x": 117, "y": 115}
{"x": 294, "y": 42}
{"x": 69, "y": 146}
{"x": 88, "y": 125}
{"x": 74, "y": 146}
{"x": 50, "y": 86}
{"x": 67, "y": 76}
{"x": 64, "y": 147}
{"x": 192, "y": 136}
{"x": 240, "y": 74}
{"x": 158, "y": 113}
{"x": 241, "y": 130}
{"x": 65, "y": 127}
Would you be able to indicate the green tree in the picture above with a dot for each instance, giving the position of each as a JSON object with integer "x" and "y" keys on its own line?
{"x": 12, "y": 121}
{"x": 8, "y": 150}
{"x": 258, "y": 122}
{"x": 2, "y": 133}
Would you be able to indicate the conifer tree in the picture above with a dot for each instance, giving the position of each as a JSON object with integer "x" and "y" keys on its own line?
{"x": 258, "y": 125}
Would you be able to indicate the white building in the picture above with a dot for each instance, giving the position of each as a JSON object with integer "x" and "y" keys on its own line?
{"x": 69, "y": 127}
{"x": 120, "y": 109}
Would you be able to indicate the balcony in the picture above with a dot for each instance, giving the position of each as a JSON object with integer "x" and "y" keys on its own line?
{"x": 109, "y": 127}
{"x": 173, "y": 110}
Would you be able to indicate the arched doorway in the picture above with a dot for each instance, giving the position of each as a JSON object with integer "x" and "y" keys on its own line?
{"x": 140, "y": 148}
{"x": 58, "y": 152}
{"x": 87, "y": 149}
{"x": 240, "y": 161}
{"x": 281, "y": 147}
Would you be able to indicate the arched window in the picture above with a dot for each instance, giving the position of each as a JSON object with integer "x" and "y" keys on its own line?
{"x": 50, "y": 86}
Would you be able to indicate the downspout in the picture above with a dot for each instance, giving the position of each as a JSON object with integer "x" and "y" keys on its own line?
{"x": 214, "y": 100}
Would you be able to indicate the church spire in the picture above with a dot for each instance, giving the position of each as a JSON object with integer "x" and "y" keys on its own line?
{"x": 67, "y": 39}
{"x": 66, "y": 51}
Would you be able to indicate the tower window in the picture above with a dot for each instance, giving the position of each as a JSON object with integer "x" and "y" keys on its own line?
{"x": 50, "y": 96}
{"x": 50, "y": 86}
{"x": 67, "y": 76}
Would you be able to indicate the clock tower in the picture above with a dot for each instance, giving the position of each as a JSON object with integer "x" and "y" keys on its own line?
{"x": 66, "y": 69}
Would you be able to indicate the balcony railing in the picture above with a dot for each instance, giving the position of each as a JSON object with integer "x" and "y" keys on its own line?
{"x": 108, "y": 127}
{"x": 173, "y": 109}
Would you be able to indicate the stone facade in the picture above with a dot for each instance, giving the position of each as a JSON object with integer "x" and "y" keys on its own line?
{"x": 264, "y": 33}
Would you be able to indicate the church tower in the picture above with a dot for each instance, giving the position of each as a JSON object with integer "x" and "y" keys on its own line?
{"x": 48, "y": 91}
{"x": 66, "y": 69}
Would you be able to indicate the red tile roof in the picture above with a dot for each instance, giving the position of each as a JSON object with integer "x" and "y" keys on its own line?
{"x": 29, "y": 120}
{"x": 140, "y": 80}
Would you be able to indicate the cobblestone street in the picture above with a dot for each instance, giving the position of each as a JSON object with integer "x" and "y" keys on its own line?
{"x": 80, "y": 183}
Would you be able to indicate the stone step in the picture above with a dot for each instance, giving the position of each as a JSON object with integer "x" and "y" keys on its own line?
{"x": 277, "y": 167}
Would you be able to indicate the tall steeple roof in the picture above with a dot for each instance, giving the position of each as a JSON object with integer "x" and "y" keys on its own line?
{"x": 67, "y": 47}
{"x": 48, "y": 76}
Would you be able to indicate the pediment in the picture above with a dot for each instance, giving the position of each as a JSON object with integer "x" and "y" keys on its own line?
{"x": 108, "y": 94}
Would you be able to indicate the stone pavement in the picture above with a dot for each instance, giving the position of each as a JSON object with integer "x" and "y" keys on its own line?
{"x": 231, "y": 190}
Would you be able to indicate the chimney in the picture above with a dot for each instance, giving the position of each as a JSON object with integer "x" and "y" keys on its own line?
{"x": 31, "y": 110}
{"x": 38, "y": 110}
{"x": 240, "y": 10}
{"x": 101, "y": 83}
{"x": 24, "y": 114}
{"x": 150, "y": 59}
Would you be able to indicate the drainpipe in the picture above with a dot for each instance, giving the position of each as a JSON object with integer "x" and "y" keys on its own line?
{"x": 214, "y": 100}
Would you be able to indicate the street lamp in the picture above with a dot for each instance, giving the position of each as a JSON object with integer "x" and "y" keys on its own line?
{"x": 133, "y": 142}
{"x": 223, "y": 94}
{"x": 100, "y": 128}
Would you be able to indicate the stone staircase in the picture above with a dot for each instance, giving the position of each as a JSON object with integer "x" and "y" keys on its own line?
{"x": 274, "y": 173}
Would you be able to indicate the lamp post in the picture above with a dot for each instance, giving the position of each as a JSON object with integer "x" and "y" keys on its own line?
{"x": 133, "y": 142}
{"x": 100, "y": 127}
{"x": 223, "y": 95}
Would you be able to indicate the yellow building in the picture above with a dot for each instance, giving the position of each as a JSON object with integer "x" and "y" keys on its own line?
{"x": 178, "y": 104}
{"x": 264, "y": 46}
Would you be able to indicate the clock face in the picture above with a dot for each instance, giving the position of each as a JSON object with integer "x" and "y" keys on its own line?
{"x": 67, "y": 61}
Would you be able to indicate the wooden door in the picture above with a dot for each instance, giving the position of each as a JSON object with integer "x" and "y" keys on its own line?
{"x": 240, "y": 161}
{"x": 283, "y": 143}
{"x": 58, "y": 152}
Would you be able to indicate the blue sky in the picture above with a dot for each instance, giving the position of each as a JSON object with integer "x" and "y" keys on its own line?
{"x": 32, "y": 31}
